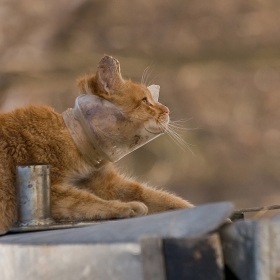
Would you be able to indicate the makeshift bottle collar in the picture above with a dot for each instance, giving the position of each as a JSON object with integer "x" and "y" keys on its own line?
{"x": 102, "y": 132}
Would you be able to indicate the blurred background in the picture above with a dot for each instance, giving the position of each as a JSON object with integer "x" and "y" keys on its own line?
{"x": 218, "y": 65}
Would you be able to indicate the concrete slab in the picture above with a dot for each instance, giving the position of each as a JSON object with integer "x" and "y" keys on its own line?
{"x": 192, "y": 222}
{"x": 111, "y": 250}
{"x": 252, "y": 249}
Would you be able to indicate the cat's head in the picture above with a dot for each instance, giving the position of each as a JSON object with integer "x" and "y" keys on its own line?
{"x": 135, "y": 100}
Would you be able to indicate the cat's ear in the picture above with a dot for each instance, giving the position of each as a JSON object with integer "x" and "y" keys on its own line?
{"x": 154, "y": 89}
{"x": 108, "y": 74}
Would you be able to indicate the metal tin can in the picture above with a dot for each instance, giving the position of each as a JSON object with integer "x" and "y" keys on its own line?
{"x": 33, "y": 195}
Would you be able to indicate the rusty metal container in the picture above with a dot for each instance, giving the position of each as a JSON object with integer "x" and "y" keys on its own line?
{"x": 33, "y": 195}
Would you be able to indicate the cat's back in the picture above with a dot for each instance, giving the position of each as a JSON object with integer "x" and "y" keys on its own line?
{"x": 28, "y": 113}
{"x": 29, "y": 134}
{"x": 28, "y": 118}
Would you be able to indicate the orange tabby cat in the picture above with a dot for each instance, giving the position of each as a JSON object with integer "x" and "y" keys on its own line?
{"x": 79, "y": 191}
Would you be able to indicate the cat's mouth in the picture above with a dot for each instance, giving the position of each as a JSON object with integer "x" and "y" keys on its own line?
{"x": 156, "y": 127}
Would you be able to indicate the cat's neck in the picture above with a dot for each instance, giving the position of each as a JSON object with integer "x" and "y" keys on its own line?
{"x": 89, "y": 151}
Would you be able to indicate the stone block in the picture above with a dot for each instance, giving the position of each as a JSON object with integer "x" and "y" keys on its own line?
{"x": 112, "y": 250}
{"x": 252, "y": 249}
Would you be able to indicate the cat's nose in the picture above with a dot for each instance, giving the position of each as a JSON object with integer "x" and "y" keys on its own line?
{"x": 165, "y": 109}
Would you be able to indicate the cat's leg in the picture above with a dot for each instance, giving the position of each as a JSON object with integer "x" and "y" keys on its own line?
{"x": 110, "y": 185}
{"x": 156, "y": 200}
{"x": 69, "y": 202}
{"x": 7, "y": 196}
{"x": 161, "y": 200}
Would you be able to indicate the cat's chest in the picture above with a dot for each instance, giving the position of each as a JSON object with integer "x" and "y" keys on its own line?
{"x": 83, "y": 176}
{"x": 78, "y": 178}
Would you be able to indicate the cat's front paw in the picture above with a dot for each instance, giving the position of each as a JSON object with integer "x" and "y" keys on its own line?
{"x": 128, "y": 209}
{"x": 138, "y": 209}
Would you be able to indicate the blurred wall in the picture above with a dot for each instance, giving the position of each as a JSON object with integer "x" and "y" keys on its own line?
{"x": 218, "y": 65}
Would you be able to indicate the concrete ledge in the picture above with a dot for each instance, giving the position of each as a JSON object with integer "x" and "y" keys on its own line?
{"x": 117, "y": 249}
{"x": 71, "y": 262}
{"x": 252, "y": 249}
{"x": 193, "y": 222}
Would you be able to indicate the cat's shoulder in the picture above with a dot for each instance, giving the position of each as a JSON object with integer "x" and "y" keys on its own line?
{"x": 42, "y": 117}
{"x": 38, "y": 111}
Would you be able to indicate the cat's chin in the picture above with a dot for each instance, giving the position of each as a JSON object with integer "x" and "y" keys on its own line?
{"x": 153, "y": 127}
{"x": 153, "y": 130}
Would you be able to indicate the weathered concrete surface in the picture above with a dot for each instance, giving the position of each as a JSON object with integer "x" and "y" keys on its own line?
{"x": 71, "y": 262}
{"x": 104, "y": 251}
{"x": 182, "y": 258}
{"x": 252, "y": 249}
{"x": 194, "y": 258}
{"x": 153, "y": 262}
{"x": 189, "y": 223}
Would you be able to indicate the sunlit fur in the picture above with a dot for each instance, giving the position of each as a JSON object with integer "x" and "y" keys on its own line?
{"x": 79, "y": 192}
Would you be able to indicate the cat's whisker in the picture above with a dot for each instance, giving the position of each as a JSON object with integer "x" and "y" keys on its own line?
{"x": 176, "y": 137}
{"x": 151, "y": 82}
{"x": 178, "y": 127}
{"x": 182, "y": 120}
{"x": 148, "y": 74}
{"x": 179, "y": 137}
{"x": 144, "y": 75}
{"x": 167, "y": 130}
{"x": 176, "y": 140}
{"x": 182, "y": 143}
